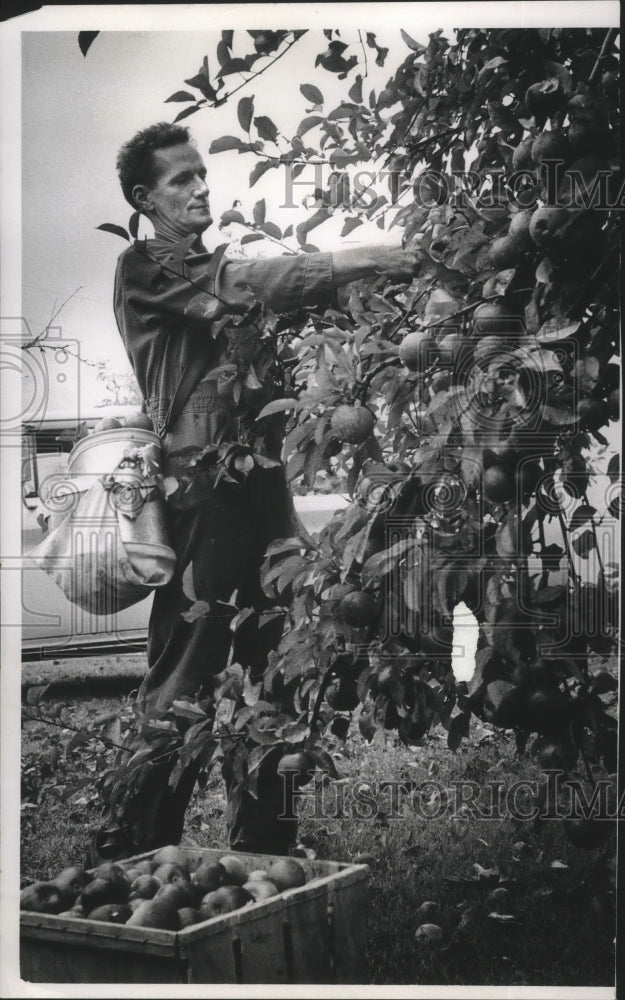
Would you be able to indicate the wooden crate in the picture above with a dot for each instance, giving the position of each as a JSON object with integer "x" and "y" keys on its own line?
{"x": 314, "y": 934}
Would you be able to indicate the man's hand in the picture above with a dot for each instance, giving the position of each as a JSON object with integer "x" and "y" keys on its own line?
{"x": 362, "y": 262}
{"x": 396, "y": 262}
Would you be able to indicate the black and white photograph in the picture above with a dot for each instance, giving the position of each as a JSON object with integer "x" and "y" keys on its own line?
{"x": 311, "y": 499}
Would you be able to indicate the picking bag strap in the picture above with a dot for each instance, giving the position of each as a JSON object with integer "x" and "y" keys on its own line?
{"x": 196, "y": 364}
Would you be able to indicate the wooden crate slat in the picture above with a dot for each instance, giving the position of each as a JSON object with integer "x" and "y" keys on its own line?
{"x": 98, "y": 935}
{"x": 211, "y": 959}
{"x": 349, "y": 935}
{"x": 66, "y": 962}
{"x": 262, "y": 954}
{"x": 307, "y": 916}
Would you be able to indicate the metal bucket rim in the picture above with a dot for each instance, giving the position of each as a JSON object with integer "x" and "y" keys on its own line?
{"x": 130, "y": 435}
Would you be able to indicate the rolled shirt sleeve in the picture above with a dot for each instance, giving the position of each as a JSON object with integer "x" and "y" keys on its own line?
{"x": 285, "y": 283}
{"x": 152, "y": 286}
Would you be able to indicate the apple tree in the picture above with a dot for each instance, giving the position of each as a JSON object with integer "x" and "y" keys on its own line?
{"x": 459, "y": 410}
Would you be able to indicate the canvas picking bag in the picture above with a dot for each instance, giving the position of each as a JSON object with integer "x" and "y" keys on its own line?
{"x": 111, "y": 548}
{"x": 108, "y": 545}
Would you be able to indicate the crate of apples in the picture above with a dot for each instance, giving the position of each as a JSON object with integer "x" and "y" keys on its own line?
{"x": 166, "y": 890}
{"x": 189, "y": 915}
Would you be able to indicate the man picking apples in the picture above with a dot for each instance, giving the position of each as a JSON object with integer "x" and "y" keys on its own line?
{"x": 176, "y": 306}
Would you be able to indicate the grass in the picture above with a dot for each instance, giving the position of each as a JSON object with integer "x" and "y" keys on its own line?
{"x": 559, "y": 937}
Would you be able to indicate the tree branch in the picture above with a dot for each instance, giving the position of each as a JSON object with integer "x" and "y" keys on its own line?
{"x": 364, "y": 55}
{"x": 226, "y": 97}
{"x": 55, "y": 313}
{"x": 607, "y": 42}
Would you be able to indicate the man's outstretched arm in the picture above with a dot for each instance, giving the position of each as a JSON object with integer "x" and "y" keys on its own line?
{"x": 150, "y": 288}
{"x": 287, "y": 283}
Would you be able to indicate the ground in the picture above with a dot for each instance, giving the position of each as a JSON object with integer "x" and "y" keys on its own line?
{"x": 536, "y": 934}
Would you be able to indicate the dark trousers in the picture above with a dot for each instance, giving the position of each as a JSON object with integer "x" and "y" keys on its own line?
{"x": 220, "y": 544}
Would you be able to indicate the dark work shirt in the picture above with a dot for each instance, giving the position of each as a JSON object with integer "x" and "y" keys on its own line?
{"x": 165, "y": 306}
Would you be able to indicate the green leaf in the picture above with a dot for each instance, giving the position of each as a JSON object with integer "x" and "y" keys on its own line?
{"x": 492, "y": 64}
{"x": 355, "y": 91}
{"x": 587, "y": 373}
{"x": 251, "y": 692}
{"x": 354, "y": 549}
{"x": 350, "y": 225}
{"x": 290, "y": 575}
{"x": 78, "y": 740}
{"x": 410, "y": 42}
{"x": 202, "y": 83}
{"x": 510, "y": 537}
{"x": 188, "y": 587}
{"x": 284, "y": 545}
{"x": 383, "y": 562}
{"x": 245, "y": 109}
{"x": 35, "y": 693}
{"x": 261, "y": 736}
{"x": 110, "y": 227}
{"x": 240, "y": 618}
{"x": 343, "y": 111}
{"x": 258, "y": 212}
{"x": 279, "y": 406}
{"x": 197, "y": 610}
{"x": 259, "y": 169}
{"x": 412, "y": 588}
{"x": 486, "y": 661}
{"x": 603, "y": 682}
{"x": 257, "y": 756}
{"x": 295, "y": 466}
{"x": 133, "y": 224}
{"x": 225, "y": 143}
{"x": 77, "y": 786}
{"x": 581, "y": 515}
{"x": 233, "y": 66}
{"x": 86, "y": 39}
{"x": 298, "y": 562}
{"x": 379, "y": 59}
{"x": 270, "y": 229}
{"x": 266, "y": 128}
{"x": 186, "y": 113}
{"x": 311, "y": 93}
{"x": 339, "y": 157}
{"x": 547, "y": 595}
{"x": 307, "y": 123}
{"x": 188, "y": 710}
{"x": 223, "y": 52}
{"x": 180, "y": 95}
{"x": 558, "y": 416}
{"x": 584, "y": 544}
{"x": 451, "y": 582}
{"x": 295, "y": 732}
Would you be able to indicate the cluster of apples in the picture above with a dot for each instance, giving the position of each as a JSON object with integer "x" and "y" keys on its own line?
{"x": 137, "y": 420}
{"x": 162, "y": 891}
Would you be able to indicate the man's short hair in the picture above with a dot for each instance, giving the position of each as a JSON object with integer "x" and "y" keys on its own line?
{"x": 135, "y": 162}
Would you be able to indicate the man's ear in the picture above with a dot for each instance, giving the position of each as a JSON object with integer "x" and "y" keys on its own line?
{"x": 142, "y": 197}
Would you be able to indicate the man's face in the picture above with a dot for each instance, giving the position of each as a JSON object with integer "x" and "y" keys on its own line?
{"x": 179, "y": 195}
